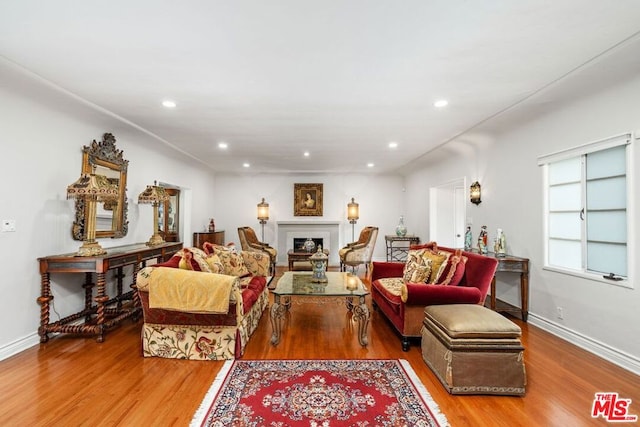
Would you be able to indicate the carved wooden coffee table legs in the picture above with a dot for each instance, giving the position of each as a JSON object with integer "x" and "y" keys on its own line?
{"x": 360, "y": 313}
{"x": 277, "y": 313}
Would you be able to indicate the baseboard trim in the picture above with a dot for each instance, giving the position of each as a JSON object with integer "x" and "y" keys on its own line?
{"x": 19, "y": 345}
{"x": 611, "y": 354}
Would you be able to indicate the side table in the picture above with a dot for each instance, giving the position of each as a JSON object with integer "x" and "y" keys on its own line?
{"x": 513, "y": 264}
{"x": 398, "y": 247}
{"x": 215, "y": 237}
{"x": 296, "y": 256}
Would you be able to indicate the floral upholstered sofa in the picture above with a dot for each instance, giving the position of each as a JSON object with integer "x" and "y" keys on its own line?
{"x": 202, "y": 305}
{"x": 431, "y": 275}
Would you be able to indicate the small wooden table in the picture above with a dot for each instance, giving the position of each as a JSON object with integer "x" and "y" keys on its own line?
{"x": 513, "y": 264}
{"x": 215, "y": 237}
{"x": 295, "y": 256}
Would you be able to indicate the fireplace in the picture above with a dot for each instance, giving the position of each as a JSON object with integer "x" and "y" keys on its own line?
{"x": 292, "y": 234}
{"x": 298, "y": 243}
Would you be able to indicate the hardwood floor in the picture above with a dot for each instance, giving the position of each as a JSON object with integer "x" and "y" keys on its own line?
{"x": 79, "y": 382}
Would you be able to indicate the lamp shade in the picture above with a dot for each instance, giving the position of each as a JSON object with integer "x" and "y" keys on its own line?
{"x": 153, "y": 194}
{"x": 263, "y": 210}
{"x": 475, "y": 192}
{"x": 96, "y": 187}
{"x": 91, "y": 188}
{"x": 353, "y": 211}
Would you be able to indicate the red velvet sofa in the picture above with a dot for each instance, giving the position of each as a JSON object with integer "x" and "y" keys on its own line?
{"x": 406, "y": 311}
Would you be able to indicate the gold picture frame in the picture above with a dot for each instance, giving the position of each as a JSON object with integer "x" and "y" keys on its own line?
{"x": 307, "y": 199}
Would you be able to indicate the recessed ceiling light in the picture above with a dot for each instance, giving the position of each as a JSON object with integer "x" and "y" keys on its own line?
{"x": 306, "y": 154}
{"x": 441, "y": 103}
{"x": 222, "y": 145}
{"x": 246, "y": 165}
{"x": 370, "y": 165}
{"x": 393, "y": 144}
{"x": 169, "y": 104}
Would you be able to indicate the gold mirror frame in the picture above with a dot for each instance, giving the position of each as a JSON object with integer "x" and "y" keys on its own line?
{"x": 107, "y": 160}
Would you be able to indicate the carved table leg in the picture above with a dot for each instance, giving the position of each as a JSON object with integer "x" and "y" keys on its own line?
{"x": 362, "y": 315}
{"x": 88, "y": 293}
{"x": 277, "y": 313}
{"x": 119, "y": 276}
{"x": 44, "y": 299}
{"x": 101, "y": 298}
{"x": 136, "y": 298}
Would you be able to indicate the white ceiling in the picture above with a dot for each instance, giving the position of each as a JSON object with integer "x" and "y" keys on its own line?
{"x": 337, "y": 78}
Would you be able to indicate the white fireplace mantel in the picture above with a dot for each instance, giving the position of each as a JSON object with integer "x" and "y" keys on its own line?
{"x": 329, "y": 231}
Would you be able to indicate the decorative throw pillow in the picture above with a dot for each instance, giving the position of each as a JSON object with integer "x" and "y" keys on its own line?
{"x": 438, "y": 262}
{"x": 257, "y": 263}
{"x": 232, "y": 261}
{"x": 417, "y": 268}
{"x": 215, "y": 264}
{"x": 454, "y": 270}
{"x": 209, "y": 248}
{"x": 193, "y": 259}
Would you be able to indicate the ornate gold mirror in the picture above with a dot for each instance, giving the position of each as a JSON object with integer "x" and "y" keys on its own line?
{"x": 102, "y": 158}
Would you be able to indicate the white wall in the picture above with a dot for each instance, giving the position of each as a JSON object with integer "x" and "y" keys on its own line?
{"x": 41, "y": 134}
{"x": 380, "y": 198}
{"x": 597, "y": 316}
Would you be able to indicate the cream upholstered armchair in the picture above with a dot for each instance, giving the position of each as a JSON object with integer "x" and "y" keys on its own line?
{"x": 249, "y": 242}
{"x": 359, "y": 252}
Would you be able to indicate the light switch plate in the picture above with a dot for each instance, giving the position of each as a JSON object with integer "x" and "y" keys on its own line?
{"x": 8, "y": 225}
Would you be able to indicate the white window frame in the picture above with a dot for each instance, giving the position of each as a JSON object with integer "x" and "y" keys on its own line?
{"x": 544, "y": 161}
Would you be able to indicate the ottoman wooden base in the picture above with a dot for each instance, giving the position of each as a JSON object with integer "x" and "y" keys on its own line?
{"x": 473, "y": 350}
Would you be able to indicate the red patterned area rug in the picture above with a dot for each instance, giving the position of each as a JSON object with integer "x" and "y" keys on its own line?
{"x": 318, "y": 393}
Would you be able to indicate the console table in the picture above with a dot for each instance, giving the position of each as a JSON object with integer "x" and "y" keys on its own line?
{"x": 513, "y": 264}
{"x": 106, "y": 312}
{"x": 398, "y": 247}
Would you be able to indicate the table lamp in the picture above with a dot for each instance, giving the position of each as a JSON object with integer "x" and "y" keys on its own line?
{"x": 155, "y": 195}
{"x": 91, "y": 188}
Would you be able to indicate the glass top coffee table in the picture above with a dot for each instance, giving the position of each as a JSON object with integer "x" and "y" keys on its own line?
{"x": 339, "y": 284}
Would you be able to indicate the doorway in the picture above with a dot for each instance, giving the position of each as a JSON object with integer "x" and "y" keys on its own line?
{"x": 447, "y": 213}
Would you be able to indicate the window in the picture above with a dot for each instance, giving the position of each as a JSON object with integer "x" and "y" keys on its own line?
{"x": 586, "y": 209}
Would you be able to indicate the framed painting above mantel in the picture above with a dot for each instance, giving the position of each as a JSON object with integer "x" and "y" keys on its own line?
{"x": 307, "y": 199}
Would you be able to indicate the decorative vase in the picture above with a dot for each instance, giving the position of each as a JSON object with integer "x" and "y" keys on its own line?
{"x": 309, "y": 245}
{"x": 401, "y": 229}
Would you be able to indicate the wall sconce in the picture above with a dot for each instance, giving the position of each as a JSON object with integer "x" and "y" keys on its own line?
{"x": 475, "y": 193}
{"x": 353, "y": 214}
{"x": 92, "y": 189}
{"x": 154, "y": 195}
{"x": 263, "y": 214}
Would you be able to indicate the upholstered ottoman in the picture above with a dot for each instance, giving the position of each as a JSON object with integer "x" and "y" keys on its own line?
{"x": 473, "y": 350}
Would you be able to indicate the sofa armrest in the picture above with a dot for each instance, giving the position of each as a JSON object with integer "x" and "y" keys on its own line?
{"x": 421, "y": 294}
{"x": 383, "y": 270}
